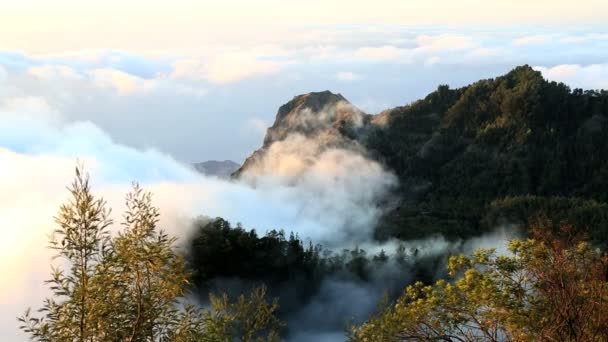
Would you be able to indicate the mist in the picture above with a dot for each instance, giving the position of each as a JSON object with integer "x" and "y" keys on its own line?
{"x": 326, "y": 193}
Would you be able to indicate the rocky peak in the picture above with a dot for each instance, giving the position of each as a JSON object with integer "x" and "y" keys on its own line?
{"x": 311, "y": 113}
{"x": 314, "y": 101}
{"x": 327, "y": 117}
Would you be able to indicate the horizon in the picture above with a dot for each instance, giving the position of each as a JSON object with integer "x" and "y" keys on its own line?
{"x": 157, "y": 74}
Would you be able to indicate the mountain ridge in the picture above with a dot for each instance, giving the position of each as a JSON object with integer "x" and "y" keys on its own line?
{"x": 497, "y": 150}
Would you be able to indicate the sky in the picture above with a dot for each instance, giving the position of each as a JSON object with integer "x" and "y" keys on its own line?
{"x": 202, "y": 80}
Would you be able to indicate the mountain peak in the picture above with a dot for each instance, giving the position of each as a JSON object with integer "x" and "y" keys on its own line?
{"x": 307, "y": 113}
{"x": 314, "y": 101}
{"x": 313, "y": 114}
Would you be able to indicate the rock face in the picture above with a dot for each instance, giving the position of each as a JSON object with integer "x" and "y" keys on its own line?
{"x": 221, "y": 169}
{"x": 324, "y": 116}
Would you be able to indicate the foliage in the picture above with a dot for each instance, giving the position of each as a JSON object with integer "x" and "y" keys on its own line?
{"x": 458, "y": 150}
{"x": 590, "y": 216}
{"x": 248, "y": 319}
{"x": 291, "y": 269}
{"x": 128, "y": 287}
{"x": 219, "y": 250}
{"x": 550, "y": 288}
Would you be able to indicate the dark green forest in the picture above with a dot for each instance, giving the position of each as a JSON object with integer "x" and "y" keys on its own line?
{"x": 495, "y": 151}
{"x": 290, "y": 268}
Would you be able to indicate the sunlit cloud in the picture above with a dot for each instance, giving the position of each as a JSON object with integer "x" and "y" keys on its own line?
{"x": 224, "y": 68}
{"x": 386, "y": 52}
{"x": 124, "y": 83}
{"x": 444, "y": 42}
{"x": 529, "y": 40}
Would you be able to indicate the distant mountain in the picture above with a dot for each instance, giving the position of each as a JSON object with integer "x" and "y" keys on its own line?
{"x": 477, "y": 157}
{"x": 221, "y": 169}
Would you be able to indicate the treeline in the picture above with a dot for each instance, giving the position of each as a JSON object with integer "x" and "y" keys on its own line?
{"x": 220, "y": 252}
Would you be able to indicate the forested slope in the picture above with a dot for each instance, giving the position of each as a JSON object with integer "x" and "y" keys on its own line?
{"x": 494, "y": 152}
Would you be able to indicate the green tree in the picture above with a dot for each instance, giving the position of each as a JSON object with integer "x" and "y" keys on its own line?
{"x": 82, "y": 241}
{"x": 249, "y": 319}
{"x": 547, "y": 289}
{"x": 130, "y": 286}
{"x": 141, "y": 277}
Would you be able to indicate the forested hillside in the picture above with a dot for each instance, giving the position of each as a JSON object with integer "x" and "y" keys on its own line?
{"x": 473, "y": 158}
{"x": 508, "y": 145}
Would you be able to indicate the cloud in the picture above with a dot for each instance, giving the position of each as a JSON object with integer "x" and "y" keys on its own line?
{"x": 444, "y": 42}
{"x": 3, "y": 74}
{"x": 485, "y": 52}
{"x": 580, "y": 39}
{"x": 328, "y": 195}
{"x": 426, "y": 47}
{"x": 124, "y": 83}
{"x": 50, "y": 72}
{"x": 88, "y": 59}
{"x": 224, "y": 68}
{"x": 182, "y": 101}
{"x": 593, "y": 76}
{"x": 347, "y": 76}
{"x": 530, "y": 40}
{"x": 432, "y": 61}
{"x": 386, "y": 52}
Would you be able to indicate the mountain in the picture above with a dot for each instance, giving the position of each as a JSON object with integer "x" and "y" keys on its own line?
{"x": 221, "y": 169}
{"x": 326, "y": 116}
{"x": 471, "y": 159}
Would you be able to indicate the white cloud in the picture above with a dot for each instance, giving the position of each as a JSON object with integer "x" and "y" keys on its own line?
{"x": 599, "y": 36}
{"x": 124, "y": 83}
{"x": 574, "y": 39}
{"x": 189, "y": 68}
{"x": 28, "y": 108}
{"x": 386, "y": 52}
{"x": 444, "y": 42}
{"x": 432, "y": 61}
{"x": 485, "y": 52}
{"x": 224, "y": 68}
{"x": 53, "y": 72}
{"x": 529, "y": 40}
{"x": 347, "y": 76}
{"x": 3, "y": 74}
{"x": 235, "y": 67}
{"x": 593, "y": 76}
{"x": 428, "y": 48}
{"x": 579, "y": 39}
